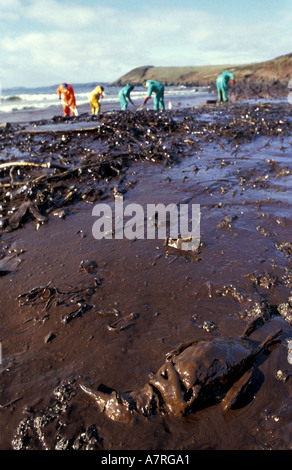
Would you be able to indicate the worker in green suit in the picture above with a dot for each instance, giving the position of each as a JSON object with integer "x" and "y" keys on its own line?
{"x": 124, "y": 96}
{"x": 158, "y": 89}
{"x": 222, "y": 84}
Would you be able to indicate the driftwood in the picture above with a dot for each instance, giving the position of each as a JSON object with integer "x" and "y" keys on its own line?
{"x": 39, "y": 165}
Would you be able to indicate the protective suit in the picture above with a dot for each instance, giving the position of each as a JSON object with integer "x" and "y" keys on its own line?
{"x": 158, "y": 89}
{"x": 94, "y": 98}
{"x": 124, "y": 96}
{"x": 222, "y": 85}
{"x": 69, "y": 102}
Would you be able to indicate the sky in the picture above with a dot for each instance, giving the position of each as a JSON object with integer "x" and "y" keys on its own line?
{"x": 46, "y": 42}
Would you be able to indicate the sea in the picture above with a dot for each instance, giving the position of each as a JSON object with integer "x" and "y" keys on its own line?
{"x": 26, "y": 99}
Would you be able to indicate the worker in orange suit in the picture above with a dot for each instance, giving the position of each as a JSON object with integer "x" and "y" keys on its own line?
{"x": 94, "y": 98}
{"x": 66, "y": 93}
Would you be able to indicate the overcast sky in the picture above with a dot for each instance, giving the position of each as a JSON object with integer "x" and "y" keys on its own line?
{"x": 45, "y": 42}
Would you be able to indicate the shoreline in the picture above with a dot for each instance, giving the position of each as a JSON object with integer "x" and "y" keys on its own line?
{"x": 177, "y": 103}
{"x": 48, "y": 113}
{"x": 243, "y": 91}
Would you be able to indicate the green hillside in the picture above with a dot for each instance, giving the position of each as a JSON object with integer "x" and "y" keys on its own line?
{"x": 279, "y": 69}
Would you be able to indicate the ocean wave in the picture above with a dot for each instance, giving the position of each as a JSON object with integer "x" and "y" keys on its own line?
{"x": 24, "y": 99}
{"x": 12, "y": 98}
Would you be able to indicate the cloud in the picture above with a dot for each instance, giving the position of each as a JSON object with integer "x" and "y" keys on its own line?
{"x": 9, "y": 10}
{"x": 53, "y": 56}
{"x": 88, "y": 41}
{"x": 59, "y": 15}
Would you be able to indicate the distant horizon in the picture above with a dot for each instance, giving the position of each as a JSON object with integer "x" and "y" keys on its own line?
{"x": 48, "y": 86}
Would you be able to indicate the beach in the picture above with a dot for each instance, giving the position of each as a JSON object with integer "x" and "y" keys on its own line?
{"x": 104, "y": 313}
{"x": 24, "y": 105}
{"x": 174, "y": 101}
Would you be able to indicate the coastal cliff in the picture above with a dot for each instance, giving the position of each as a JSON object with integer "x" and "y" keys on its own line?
{"x": 256, "y": 77}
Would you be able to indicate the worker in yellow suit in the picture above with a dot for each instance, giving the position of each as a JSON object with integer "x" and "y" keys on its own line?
{"x": 94, "y": 98}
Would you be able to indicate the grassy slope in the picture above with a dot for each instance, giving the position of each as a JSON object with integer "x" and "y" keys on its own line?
{"x": 277, "y": 69}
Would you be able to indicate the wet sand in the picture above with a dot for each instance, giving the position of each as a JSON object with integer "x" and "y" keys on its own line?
{"x": 112, "y": 321}
{"x": 47, "y": 113}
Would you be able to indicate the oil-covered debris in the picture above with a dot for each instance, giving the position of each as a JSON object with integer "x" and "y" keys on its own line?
{"x": 195, "y": 375}
{"x": 183, "y": 244}
{"x": 49, "y": 170}
{"x": 266, "y": 280}
{"x": 123, "y": 323}
{"x": 206, "y": 325}
{"x": 285, "y": 247}
{"x": 75, "y": 300}
{"x": 34, "y": 431}
{"x": 285, "y": 310}
{"x": 89, "y": 267}
{"x": 226, "y": 223}
{"x": 10, "y": 258}
{"x": 231, "y": 291}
